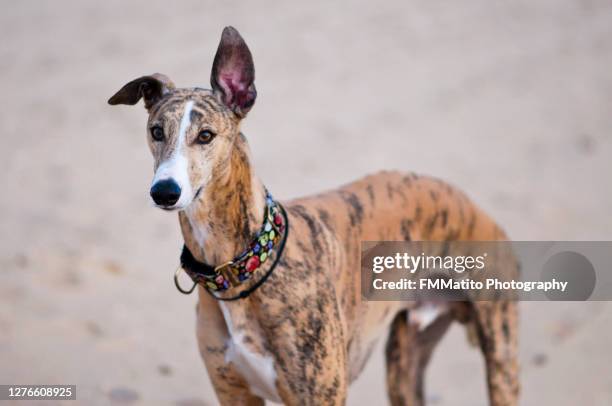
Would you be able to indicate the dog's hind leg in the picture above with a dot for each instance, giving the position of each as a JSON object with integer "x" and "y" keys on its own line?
{"x": 497, "y": 328}
{"x": 408, "y": 352}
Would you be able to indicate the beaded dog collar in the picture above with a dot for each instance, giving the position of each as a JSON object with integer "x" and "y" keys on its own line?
{"x": 271, "y": 237}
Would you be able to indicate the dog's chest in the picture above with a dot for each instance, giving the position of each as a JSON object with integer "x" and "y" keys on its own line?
{"x": 254, "y": 365}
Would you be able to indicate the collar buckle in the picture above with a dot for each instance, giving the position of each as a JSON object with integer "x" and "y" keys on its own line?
{"x": 226, "y": 269}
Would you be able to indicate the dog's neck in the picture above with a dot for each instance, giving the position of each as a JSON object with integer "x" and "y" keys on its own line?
{"x": 224, "y": 219}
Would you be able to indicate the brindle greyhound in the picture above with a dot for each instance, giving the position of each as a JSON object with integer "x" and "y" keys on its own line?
{"x": 300, "y": 334}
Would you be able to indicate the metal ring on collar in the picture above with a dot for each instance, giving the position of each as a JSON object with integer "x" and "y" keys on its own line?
{"x": 178, "y": 285}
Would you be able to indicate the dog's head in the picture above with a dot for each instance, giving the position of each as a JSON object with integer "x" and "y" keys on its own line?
{"x": 191, "y": 131}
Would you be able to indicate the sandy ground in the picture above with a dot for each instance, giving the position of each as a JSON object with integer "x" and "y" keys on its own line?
{"x": 509, "y": 101}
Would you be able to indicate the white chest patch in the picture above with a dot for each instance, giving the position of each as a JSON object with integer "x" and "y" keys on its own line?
{"x": 257, "y": 369}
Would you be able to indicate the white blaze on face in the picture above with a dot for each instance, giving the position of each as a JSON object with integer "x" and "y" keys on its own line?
{"x": 176, "y": 166}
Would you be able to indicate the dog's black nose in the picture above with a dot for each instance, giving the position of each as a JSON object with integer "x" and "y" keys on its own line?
{"x": 166, "y": 192}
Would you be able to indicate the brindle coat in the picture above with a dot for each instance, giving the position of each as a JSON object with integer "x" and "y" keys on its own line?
{"x": 305, "y": 334}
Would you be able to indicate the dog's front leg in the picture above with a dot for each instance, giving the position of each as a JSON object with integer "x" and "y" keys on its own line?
{"x": 321, "y": 380}
{"x": 212, "y": 336}
{"x": 310, "y": 355}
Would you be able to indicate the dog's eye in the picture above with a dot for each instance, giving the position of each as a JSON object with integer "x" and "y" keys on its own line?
{"x": 205, "y": 136}
{"x": 157, "y": 133}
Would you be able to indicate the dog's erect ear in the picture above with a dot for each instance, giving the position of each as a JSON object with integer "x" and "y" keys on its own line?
{"x": 233, "y": 73}
{"x": 151, "y": 88}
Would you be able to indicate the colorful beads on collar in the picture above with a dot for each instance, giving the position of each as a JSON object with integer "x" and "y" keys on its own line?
{"x": 259, "y": 250}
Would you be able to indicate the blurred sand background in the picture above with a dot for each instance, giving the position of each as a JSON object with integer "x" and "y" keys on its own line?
{"x": 511, "y": 101}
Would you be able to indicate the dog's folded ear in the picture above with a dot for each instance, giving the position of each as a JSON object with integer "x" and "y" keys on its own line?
{"x": 151, "y": 88}
{"x": 233, "y": 73}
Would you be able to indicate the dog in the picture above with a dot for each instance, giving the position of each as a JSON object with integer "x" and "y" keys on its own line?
{"x": 284, "y": 320}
